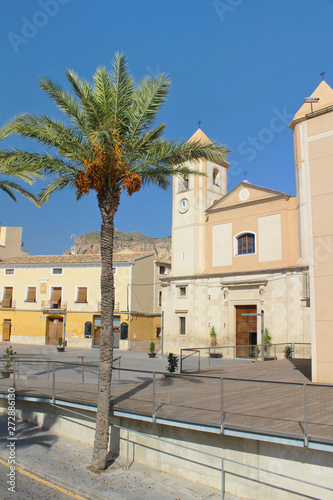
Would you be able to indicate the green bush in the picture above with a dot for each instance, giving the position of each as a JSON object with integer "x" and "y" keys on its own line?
{"x": 172, "y": 362}
{"x": 152, "y": 347}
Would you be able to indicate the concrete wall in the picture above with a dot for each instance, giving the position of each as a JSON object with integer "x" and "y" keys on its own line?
{"x": 185, "y": 453}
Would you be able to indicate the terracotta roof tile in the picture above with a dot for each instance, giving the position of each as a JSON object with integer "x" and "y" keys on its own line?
{"x": 49, "y": 260}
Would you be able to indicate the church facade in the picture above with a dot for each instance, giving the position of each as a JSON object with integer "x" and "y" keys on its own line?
{"x": 249, "y": 251}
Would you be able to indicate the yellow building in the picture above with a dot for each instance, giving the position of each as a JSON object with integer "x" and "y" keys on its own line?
{"x": 48, "y": 297}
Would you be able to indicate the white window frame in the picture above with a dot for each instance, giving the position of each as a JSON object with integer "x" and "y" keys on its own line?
{"x": 7, "y": 269}
{"x": 179, "y": 292}
{"x": 3, "y": 291}
{"x": 57, "y": 274}
{"x": 26, "y": 294}
{"x": 236, "y": 254}
{"x": 77, "y": 293}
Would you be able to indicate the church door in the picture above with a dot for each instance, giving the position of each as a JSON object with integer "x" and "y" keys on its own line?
{"x": 6, "y": 329}
{"x": 246, "y": 331}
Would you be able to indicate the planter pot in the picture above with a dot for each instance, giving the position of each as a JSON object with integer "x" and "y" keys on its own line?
{"x": 215, "y": 355}
{"x": 60, "y": 349}
{"x": 6, "y": 373}
{"x": 152, "y": 354}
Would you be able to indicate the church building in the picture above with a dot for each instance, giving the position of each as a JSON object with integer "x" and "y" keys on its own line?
{"x": 250, "y": 251}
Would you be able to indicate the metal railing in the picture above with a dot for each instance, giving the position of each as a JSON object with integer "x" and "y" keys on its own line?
{"x": 11, "y": 306}
{"x": 299, "y": 411}
{"x": 200, "y": 357}
{"x": 45, "y": 305}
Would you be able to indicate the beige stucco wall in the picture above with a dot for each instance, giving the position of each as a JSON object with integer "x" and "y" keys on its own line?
{"x": 313, "y": 143}
{"x": 274, "y": 223}
{"x": 10, "y": 242}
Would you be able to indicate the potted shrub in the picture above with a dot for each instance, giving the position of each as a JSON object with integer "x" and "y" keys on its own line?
{"x": 212, "y": 334}
{"x": 268, "y": 344}
{"x": 61, "y": 345}
{"x": 7, "y": 366}
{"x": 152, "y": 352}
{"x": 172, "y": 362}
{"x": 288, "y": 352}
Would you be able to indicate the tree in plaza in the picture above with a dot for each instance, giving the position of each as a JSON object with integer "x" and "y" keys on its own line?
{"x": 109, "y": 143}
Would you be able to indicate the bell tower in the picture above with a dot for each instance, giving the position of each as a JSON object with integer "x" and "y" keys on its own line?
{"x": 192, "y": 195}
{"x": 313, "y": 143}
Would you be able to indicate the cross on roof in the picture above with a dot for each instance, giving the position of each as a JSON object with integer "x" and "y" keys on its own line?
{"x": 199, "y": 123}
{"x": 245, "y": 174}
{"x": 322, "y": 74}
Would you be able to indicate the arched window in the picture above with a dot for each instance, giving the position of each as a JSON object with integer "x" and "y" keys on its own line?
{"x": 216, "y": 177}
{"x": 246, "y": 244}
{"x": 183, "y": 184}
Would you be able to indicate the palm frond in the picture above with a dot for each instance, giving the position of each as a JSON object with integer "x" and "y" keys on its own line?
{"x": 9, "y": 186}
{"x": 65, "y": 102}
{"x": 150, "y": 95}
{"x": 57, "y": 184}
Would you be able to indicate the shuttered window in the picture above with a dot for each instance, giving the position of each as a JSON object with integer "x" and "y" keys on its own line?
{"x": 56, "y": 296}
{"x": 82, "y": 293}
{"x": 7, "y": 296}
{"x": 31, "y": 294}
{"x": 9, "y": 272}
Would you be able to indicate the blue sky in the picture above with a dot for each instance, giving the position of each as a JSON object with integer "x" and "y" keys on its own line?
{"x": 242, "y": 67}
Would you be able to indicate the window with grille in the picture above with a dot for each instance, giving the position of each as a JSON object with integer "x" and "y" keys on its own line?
{"x": 246, "y": 244}
{"x": 9, "y": 272}
{"x": 182, "y": 324}
{"x": 57, "y": 270}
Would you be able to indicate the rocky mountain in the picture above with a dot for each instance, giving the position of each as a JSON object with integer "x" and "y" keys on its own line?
{"x": 134, "y": 242}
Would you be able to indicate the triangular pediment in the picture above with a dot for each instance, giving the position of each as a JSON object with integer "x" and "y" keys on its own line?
{"x": 245, "y": 193}
{"x": 325, "y": 94}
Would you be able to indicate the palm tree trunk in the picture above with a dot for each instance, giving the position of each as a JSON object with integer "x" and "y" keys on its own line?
{"x": 108, "y": 204}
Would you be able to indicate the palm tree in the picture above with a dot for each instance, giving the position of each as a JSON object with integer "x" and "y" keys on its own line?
{"x": 109, "y": 143}
{"x": 23, "y": 174}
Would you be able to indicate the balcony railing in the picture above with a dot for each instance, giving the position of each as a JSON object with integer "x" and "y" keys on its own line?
{"x": 8, "y": 305}
{"x": 61, "y": 305}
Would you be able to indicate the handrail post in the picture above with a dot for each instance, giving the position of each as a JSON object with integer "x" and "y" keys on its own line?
{"x": 127, "y": 458}
{"x": 306, "y": 438}
{"x": 53, "y": 383}
{"x": 18, "y": 368}
{"x": 199, "y": 361}
{"x": 221, "y": 405}
{"x": 181, "y": 361}
{"x": 275, "y": 351}
{"x": 234, "y": 353}
{"x": 82, "y": 369}
{"x": 154, "y": 396}
{"x": 14, "y": 374}
{"x": 48, "y": 369}
{"x": 222, "y": 480}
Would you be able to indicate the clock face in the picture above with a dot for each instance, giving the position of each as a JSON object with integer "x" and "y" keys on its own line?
{"x": 184, "y": 205}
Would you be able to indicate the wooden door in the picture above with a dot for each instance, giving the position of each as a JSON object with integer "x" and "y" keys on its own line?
{"x": 55, "y": 330}
{"x": 6, "y": 329}
{"x": 96, "y": 331}
{"x": 246, "y": 331}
